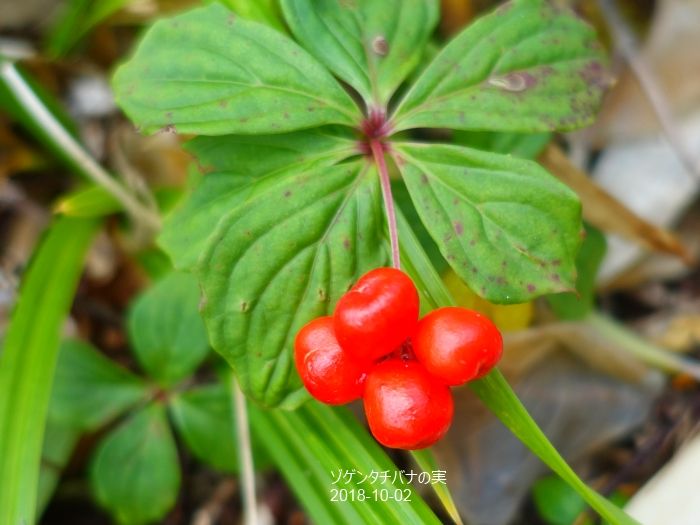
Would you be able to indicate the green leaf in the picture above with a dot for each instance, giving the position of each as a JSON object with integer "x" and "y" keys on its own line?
{"x": 494, "y": 391}
{"x": 135, "y": 472}
{"x": 154, "y": 262}
{"x": 528, "y": 66}
{"x": 28, "y": 359}
{"x": 204, "y": 418}
{"x": 315, "y": 442}
{"x": 76, "y": 19}
{"x": 570, "y": 306}
{"x": 166, "y": 330}
{"x": 505, "y": 225}
{"x": 92, "y": 201}
{"x": 373, "y": 46}
{"x": 264, "y": 11}
{"x": 235, "y": 166}
{"x": 556, "y": 502}
{"x": 209, "y": 71}
{"x": 259, "y": 155}
{"x": 187, "y": 230}
{"x": 283, "y": 258}
{"x": 524, "y": 145}
{"x": 90, "y": 390}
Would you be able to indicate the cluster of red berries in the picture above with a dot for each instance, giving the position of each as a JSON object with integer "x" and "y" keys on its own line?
{"x": 374, "y": 347}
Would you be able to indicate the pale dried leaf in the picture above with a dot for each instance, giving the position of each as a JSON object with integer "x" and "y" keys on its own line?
{"x": 648, "y": 178}
{"x": 491, "y": 471}
{"x": 527, "y": 349}
{"x": 606, "y": 212}
{"x": 670, "y": 498}
{"x": 671, "y": 53}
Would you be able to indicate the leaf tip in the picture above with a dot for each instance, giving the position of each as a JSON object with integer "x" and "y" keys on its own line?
{"x": 595, "y": 74}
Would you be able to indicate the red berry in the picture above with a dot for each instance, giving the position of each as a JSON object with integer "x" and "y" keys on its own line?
{"x": 328, "y": 372}
{"x": 405, "y": 406}
{"x": 378, "y": 314}
{"x": 457, "y": 345}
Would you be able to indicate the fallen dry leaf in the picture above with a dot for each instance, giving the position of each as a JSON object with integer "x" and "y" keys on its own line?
{"x": 670, "y": 52}
{"x": 606, "y": 212}
{"x": 673, "y": 487}
{"x": 647, "y": 176}
{"x": 491, "y": 472}
{"x": 527, "y": 349}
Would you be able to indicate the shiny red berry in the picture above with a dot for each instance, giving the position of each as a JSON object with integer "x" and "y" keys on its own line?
{"x": 327, "y": 371}
{"x": 457, "y": 345}
{"x": 405, "y": 406}
{"x": 378, "y": 314}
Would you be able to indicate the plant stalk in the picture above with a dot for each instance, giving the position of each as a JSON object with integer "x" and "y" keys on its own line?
{"x": 62, "y": 139}
{"x": 245, "y": 454}
{"x": 378, "y": 154}
{"x": 642, "y": 349}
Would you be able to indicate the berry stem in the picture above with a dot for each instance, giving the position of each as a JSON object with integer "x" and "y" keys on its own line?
{"x": 378, "y": 154}
{"x": 245, "y": 453}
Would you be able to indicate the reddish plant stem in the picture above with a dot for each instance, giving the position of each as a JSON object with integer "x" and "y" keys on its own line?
{"x": 378, "y": 154}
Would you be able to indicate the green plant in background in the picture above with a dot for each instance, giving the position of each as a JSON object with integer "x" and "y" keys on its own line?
{"x": 135, "y": 471}
{"x": 287, "y": 212}
{"x": 294, "y": 201}
{"x": 28, "y": 357}
{"x": 558, "y": 504}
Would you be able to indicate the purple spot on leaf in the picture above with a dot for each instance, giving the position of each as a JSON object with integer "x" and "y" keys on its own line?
{"x": 595, "y": 74}
{"x": 380, "y": 46}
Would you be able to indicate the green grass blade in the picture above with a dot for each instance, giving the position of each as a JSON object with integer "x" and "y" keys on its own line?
{"x": 494, "y": 391}
{"x": 291, "y": 453}
{"x": 90, "y": 201}
{"x": 28, "y": 360}
{"x": 312, "y": 443}
{"x": 425, "y": 459}
{"x": 69, "y": 27}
